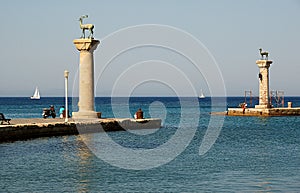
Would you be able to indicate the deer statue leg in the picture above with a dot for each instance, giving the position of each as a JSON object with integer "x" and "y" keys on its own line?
{"x": 91, "y": 33}
{"x": 83, "y": 33}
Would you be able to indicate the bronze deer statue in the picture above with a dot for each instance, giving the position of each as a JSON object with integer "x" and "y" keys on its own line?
{"x": 265, "y": 53}
{"x": 84, "y": 27}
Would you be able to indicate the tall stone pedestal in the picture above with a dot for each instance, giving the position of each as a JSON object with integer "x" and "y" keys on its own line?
{"x": 264, "y": 98}
{"x": 86, "y": 102}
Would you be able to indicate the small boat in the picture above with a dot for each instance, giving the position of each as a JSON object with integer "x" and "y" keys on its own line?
{"x": 36, "y": 95}
{"x": 201, "y": 96}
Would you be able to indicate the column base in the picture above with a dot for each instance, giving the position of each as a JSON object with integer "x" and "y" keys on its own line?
{"x": 86, "y": 115}
{"x": 262, "y": 106}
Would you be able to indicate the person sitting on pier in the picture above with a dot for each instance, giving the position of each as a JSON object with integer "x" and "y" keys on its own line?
{"x": 61, "y": 111}
{"x": 52, "y": 110}
{"x": 139, "y": 114}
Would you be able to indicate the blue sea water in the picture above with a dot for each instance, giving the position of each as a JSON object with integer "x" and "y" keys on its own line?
{"x": 250, "y": 154}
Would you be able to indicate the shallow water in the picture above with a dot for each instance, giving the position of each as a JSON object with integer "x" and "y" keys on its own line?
{"x": 251, "y": 154}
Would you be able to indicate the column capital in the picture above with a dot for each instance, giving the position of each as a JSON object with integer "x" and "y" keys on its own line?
{"x": 264, "y": 63}
{"x": 86, "y": 44}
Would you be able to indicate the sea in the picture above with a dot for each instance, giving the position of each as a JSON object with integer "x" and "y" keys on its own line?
{"x": 193, "y": 151}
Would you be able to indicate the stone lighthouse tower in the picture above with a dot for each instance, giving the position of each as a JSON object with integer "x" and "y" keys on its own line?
{"x": 86, "y": 47}
{"x": 263, "y": 65}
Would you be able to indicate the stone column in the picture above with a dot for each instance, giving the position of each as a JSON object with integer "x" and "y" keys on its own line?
{"x": 86, "y": 102}
{"x": 264, "y": 98}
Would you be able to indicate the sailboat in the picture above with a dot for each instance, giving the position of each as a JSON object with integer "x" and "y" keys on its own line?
{"x": 36, "y": 94}
{"x": 201, "y": 96}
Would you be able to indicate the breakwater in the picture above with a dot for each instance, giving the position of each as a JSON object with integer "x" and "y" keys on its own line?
{"x": 263, "y": 112}
{"x": 23, "y": 129}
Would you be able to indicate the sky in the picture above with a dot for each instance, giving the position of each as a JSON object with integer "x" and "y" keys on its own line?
{"x": 37, "y": 46}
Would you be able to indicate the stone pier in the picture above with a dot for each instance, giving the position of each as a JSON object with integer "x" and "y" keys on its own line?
{"x": 24, "y": 129}
{"x": 264, "y": 108}
{"x": 86, "y": 103}
{"x": 263, "y": 112}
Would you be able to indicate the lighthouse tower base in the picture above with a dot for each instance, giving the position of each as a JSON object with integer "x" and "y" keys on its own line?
{"x": 262, "y": 106}
{"x": 86, "y": 115}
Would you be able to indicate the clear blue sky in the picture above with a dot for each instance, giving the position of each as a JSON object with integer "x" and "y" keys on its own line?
{"x": 36, "y": 39}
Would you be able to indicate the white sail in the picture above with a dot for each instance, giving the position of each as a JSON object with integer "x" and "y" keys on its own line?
{"x": 36, "y": 94}
{"x": 201, "y": 95}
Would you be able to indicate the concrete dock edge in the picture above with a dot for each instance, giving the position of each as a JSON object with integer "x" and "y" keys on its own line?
{"x": 35, "y": 128}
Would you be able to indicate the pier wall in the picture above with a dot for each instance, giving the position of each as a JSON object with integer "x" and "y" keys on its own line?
{"x": 263, "y": 112}
{"x": 31, "y": 129}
